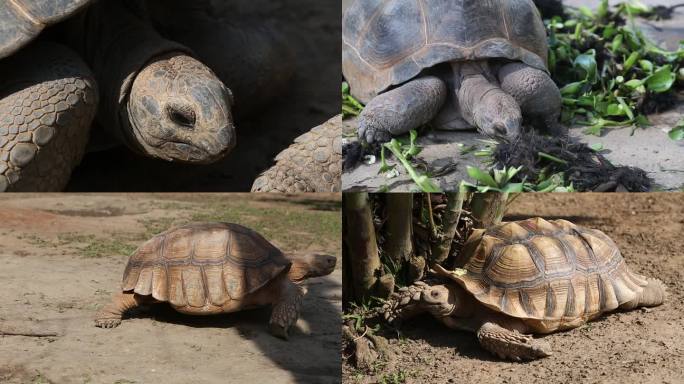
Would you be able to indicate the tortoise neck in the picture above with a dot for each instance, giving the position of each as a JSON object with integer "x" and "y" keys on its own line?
{"x": 462, "y": 300}
{"x": 298, "y": 271}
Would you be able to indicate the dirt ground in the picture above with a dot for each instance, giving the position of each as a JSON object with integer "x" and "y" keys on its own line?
{"x": 62, "y": 257}
{"x": 312, "y": 30}
{"x": 641, "y": 346}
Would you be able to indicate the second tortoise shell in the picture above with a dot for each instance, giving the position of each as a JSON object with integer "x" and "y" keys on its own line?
{"x": 552, "y": 271}
{"x": 203, "y": 264}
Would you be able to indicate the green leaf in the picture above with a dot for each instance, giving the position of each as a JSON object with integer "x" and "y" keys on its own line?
{"x": 634, "y": 83}
{"x": 572, "y": 89}
{"x": 587, "y": 62}
{"x": 661, "y": 80}
{"x": 552, "y": 158}
{"x": 630, "y": 61}
{"x": 615, "y": 110}
{"x": 594, "y": 129}
{"x": 596, "y": 147}
{"x": 646, "y": 65}
{"x": 677, "y": 133}
{"x": 617, "y": 43}
{"x": 481, "y": 176}
{"x": 626, "y": 108}
{"x": 602, "y": 10}
{"x": 584, "y": 10}
{"x": 642, "y": 121}
{"x": 513, "y": 188}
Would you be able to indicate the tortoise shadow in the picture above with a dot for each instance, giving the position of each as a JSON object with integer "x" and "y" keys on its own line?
{"x": 310, "y": 355}
{"x": 428, "y": 329}
{"x": 437, "y": 335}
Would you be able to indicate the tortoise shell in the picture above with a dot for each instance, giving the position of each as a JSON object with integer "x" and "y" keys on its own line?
{"x": 388, "y": 42}
{"x": 552, "y": 271}
{"x": 203, "y": 264}
{"x": 22, "y": 20}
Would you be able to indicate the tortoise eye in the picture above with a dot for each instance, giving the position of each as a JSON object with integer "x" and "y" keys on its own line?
{"x": 434, "y": 294}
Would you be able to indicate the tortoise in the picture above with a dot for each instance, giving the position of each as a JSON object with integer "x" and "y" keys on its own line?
{"x": 313, "y": 163}
{"x": 456, "y": 64}
{"x": 528, "y": 277}
{"x": 211, "y": 268}
{"x": 104, "y": 60}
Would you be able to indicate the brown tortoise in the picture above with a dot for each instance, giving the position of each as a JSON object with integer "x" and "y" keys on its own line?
{"x": 455, "y": 64}
{"x": 211, "y": 268}
{"x": 531, "y": 276}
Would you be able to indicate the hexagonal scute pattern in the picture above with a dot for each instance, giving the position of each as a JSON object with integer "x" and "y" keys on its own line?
{"x": 46, "y": 109}
{"x": 313, "y": 163}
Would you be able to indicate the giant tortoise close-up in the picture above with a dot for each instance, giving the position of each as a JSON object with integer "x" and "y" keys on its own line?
{"x": 165, "y": 79}
{"x": 457, "y": 65}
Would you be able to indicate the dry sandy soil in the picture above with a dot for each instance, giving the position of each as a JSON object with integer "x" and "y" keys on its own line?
{"x": 641, "y": 346}
{"x": 312, "y": 29}
{"x": 62, "y": 257}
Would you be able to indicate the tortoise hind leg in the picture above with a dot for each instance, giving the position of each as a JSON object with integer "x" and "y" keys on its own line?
{"x": 286, "y": 309}
{"x": 511, "y": 344}
{"x": 402, "y": 109}
{"x": 110, "y": 315}
{"x": 48, "y": 100}
{"x": 654, "y": 294}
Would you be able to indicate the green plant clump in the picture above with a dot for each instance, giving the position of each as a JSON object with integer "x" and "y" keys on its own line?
{"x": 610, "y": 74}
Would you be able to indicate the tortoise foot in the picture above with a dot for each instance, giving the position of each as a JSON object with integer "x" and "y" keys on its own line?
{"x": 107, "y": 322}
{"x": 279, "y": 331}
{"x": 512, "y": 345}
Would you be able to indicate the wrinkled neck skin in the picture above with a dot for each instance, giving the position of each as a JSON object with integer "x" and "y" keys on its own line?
{"x": 462, "y": 301}
{"x": 155, "y": 97}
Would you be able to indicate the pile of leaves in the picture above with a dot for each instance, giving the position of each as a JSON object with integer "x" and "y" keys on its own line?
{"x": 553, "y": 162}
{"x": 609, "y": 73}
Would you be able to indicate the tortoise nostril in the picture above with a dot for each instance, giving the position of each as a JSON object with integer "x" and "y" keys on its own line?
{"x": 181, "y": 115}
{"x": 500, "y": 129}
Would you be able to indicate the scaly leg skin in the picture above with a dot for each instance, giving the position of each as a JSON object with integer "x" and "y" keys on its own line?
{"x": 402, "y": 109}
{"x": 511, "y": 345}
{"x": 311, "y": 164}
{"x": 654, "y": 294}
{"x": 48, "y": 100}
{"x": 406, "y": 303}
{"x": 110, "y": 315}
{"x": 483, "y": 104}
{"x": 537, "y": 95}
{"x": 286, "y": 309}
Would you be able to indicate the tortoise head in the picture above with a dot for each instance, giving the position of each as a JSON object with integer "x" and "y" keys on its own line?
{"x": 309, "y": 265}
{"x": 439, "y": 300}
{"x": 180, "y": 111}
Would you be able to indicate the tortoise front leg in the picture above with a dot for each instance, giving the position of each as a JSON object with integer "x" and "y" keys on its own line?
{"x": 110, "y": 315}
{"x": 402, "y": 109}
{"x": 537, "y": 95}
{"x": 511, "y": 344}
{"x": 48, "y": 99}
{"x": 419, "y": 298}
{"x": 286, "y": 309}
